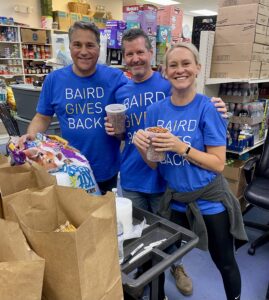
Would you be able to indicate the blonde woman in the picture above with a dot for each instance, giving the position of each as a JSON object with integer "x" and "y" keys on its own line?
{"x": 197, "y": 196}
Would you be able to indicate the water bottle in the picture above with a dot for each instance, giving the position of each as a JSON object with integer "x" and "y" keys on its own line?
{"x": 120, "y": 241}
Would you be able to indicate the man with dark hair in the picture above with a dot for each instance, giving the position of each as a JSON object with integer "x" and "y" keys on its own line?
{"x": 78, "y": 94}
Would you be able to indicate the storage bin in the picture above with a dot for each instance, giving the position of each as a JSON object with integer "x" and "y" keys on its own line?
{"x": 26, "y": 97}
{"x": 23, "y": 124}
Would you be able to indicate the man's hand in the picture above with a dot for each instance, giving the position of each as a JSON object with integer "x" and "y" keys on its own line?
{"x": 109, "y": 128}
{"x": 221, "y": 106}
{"x": 24, "y": 138}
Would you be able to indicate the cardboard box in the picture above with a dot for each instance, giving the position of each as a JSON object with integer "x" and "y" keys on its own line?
{"x": 145, "y": 15}
{"x": 236, "y": 52}
{"x": 131, "y": 24}
{"x": 114, "y": 37}
{"x": 74, "y": 17}
{"x": 160, "y": 53}
{"x": 115, "y": 24}
{"x": 265, "y": 66}
{"x": 234, "y": 171}
{"x": 237, "y": 187}
{"x": 153, "y": 44}
{"x": 36, "y": 36}
{"x": 264, "y": 74}
{"x": 171, "y": 15}
{"x": 235, "y": 69}
{"x": 241, "y": 14}
{"x": 235, "y": 176}
{"x": 222, "y": 3}
{"x": 149, "y": 19}
{"x": 132, "y": 13}
{"x": 85, "y": 18}
{"x": 263, "y": 20}
{"x": 237, "y": 34}
{"x": 163, "y": 34}
{"x": 63, "y": 19}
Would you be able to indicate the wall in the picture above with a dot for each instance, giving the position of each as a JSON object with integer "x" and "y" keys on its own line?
{"x": 115, "y": 7}
{"x": 188, "y": 20}
{"x": 33, "y": 19}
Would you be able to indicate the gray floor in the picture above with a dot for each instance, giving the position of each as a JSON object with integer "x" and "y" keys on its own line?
{"x": 206, "y": 279}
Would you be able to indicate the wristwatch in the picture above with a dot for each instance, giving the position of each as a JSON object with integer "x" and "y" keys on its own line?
{"x": 186, "y": 152}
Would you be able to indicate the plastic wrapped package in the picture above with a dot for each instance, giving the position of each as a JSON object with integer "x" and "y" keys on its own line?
{"x": 54, "y": 154}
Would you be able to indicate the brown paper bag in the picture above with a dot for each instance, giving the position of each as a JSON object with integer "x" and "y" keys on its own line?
{"x": 21, "y": 270}
{"x": 79, "y": 265}
{"x": 4, "y": 162}
{"x": 17, "y": 178}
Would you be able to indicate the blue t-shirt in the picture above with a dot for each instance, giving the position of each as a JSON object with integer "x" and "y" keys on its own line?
{"x": 79, "y": 103}
{"x": 198, "y": 124}
{"x": 136, "y": 175}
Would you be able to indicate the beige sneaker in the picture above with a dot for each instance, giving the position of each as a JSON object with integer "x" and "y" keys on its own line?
{"x": 183, "y": 281}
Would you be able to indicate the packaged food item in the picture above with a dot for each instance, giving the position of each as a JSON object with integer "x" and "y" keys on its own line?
{"x": 67, "y": 227}
{"x": 54, "y": 154}
{"x": 152, "y": 154}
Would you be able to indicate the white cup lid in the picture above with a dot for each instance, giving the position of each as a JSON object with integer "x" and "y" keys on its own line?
{"x": 115, "y": 108}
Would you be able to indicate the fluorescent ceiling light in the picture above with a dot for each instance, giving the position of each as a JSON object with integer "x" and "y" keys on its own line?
{"x": 204, "y": 12}
{"x": 163, "y": 2}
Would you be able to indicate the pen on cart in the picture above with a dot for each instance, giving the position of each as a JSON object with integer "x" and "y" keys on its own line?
{"x": 129, "y": 256}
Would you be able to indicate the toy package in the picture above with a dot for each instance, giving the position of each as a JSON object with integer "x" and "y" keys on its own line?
{"x": 54, "y": 154}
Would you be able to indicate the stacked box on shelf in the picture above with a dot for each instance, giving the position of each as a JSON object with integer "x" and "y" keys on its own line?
{"x": 222, "y": 3}
{"x": 171, "y": 15}
{"x": 144, "y": 17}
{"x": 241, "y": 41}
{"x": 113, "y": 34}
{"x": 169, "y": 27}
{"x": 163, "y": 39}
{"x": 63, "y": 20}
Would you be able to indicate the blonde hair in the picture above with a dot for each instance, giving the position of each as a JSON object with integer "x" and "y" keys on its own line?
{"x": 188, "y": 46}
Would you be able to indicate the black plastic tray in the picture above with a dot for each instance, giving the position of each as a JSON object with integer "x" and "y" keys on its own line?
{"x": 161, "y": 260}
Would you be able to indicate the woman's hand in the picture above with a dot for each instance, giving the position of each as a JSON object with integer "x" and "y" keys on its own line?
{"x": 168, "y": 142}
{"x": 141, "y": 140}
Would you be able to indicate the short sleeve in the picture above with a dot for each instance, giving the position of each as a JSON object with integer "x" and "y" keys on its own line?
{"x": 44, "y": 105}
{"x": 214, "y": 126}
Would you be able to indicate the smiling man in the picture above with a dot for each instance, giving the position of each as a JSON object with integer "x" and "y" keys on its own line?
{"x": 78, "y": 94}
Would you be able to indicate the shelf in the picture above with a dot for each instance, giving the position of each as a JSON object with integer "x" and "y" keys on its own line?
{"x": 9, "y": 42}
{"x": 35, "y": 59}
{"x": 2, "y": 58}
{"x": 6, "y": 25}
{"x": 227, "y": 80}
{"x": 259, "y": 143}
{"x": 59, "y": 31}
{"x": 37, "y": 75}
{"x": 34, "y": 43}
{"x": 118, "y": 66}
{"x": 10, "y": 75}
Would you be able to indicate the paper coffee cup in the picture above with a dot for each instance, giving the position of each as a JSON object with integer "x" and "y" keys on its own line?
{"x": 116, "y": 116}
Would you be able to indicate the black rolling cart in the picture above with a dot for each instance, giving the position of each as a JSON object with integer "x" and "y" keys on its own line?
{"x": 159, "y": 257}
